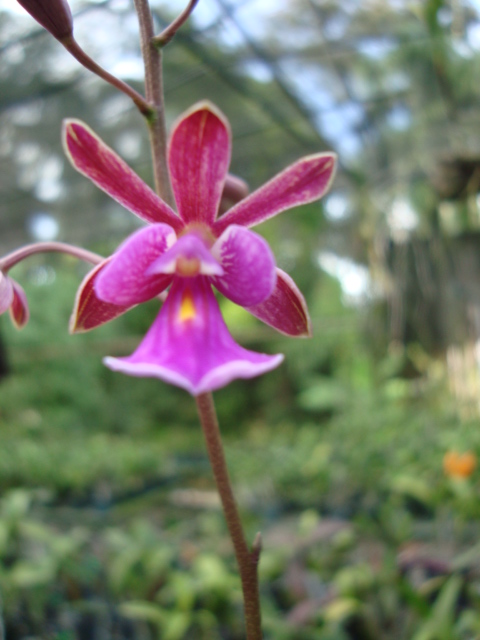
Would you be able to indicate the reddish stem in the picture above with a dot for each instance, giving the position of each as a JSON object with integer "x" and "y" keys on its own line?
{"x": 79, "y": 54}
{"x": 11, "y": 259}
{"x": 168, "y": 33}
{"x": 247, "y": 559}
{"x": 152, "y": 59}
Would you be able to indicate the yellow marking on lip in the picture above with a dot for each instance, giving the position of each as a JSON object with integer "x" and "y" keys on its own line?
{"x": 187, "y": 307}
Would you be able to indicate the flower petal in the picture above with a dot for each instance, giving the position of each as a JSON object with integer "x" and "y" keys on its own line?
{"x": 89, "y": 311}
{"x": 249, "y": 266}
{"x": 123, "y": 281}
{"x": 199, "y": 155}
{"x": 302, "y": 182}
{"x": 189, "y": 256}
{"x": 92, "y": 157}
{"x": 285, "y": 310}
{"x": 19, "y": 312}
{"x": 6, "y": 292}
{"x": 189, "y": 345}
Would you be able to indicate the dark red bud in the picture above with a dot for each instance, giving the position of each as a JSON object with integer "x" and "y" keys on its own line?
{"x": 54, "y": 15}
{"x": 235, "y": 188}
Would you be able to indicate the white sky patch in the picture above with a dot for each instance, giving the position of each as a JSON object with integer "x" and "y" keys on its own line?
{"x": 129, "y": 68}
{"x": 354, "y": 278}
{"x": 26, "y": 115}
{"x": 258, "y": 70}
{"x": 337, "y": 207}
{"x": 399, "y": 118}
{"x": 129, "y": 144}
{"x": 49, "y": 187}
{"x": 473, "y": 35}
{"x": 43, "y": 227}
{"x": 402, "y": 219}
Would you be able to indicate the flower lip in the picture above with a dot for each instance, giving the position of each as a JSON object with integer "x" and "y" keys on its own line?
{"x": 188, "y": 257}
{"x": 190, "y": 346}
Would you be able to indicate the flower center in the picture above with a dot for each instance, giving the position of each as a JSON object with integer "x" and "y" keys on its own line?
{"x": 187, "y": 267}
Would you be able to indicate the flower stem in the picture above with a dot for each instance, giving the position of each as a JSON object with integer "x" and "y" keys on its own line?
{"x": 11, "y": 259}
{"x": 152, "y": 59}
{"x": 167, "y": 34}
{"x": 79, "y": 54}
{"x": 247, "y": 559}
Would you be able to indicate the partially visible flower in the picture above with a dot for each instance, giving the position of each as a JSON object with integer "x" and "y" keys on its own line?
{"x": 54, "y": 16}
{"x": 189, "y": 345}
{"x": 459, "y": 465}
{"x": 13, "y": 299}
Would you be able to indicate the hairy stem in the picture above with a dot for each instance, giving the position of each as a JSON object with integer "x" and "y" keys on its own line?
{"x": 79, "y": 54}
{"x": 11, "y": 259}
{"x": 152, "y": 59}
{"x": 247, "y": 559}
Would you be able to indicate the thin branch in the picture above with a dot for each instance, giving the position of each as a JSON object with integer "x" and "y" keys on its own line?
{"x": 152, "y": 59}
{"x": 168, "y": 33}
{"x": 79, "y": 54}
{"x": 11, "y": 259}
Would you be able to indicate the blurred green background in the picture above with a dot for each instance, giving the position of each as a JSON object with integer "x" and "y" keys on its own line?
{"x": 109, "y": 521}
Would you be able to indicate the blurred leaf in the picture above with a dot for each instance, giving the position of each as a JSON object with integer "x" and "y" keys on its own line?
{"x": 439, "y": 625}
{"x": 324, "y": 394}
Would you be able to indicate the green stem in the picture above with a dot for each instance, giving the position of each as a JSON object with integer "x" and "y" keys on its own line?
{"x": 152, "y": 59}
{"x": 247, "y": 559}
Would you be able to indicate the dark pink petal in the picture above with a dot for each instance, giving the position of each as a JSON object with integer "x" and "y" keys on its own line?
{"x": 123, "y": 281}
{"x": 19, "y": 312}
{"x": 198, "y": 157}
{"x": 189, "y": 345}
{"x": 89, "y": 311}
{"x": 54, "y": 16}
{"x": 248, "y": 264}
{"x": 92, "y": 157}
{"x": 285, "y": 310}
{"x": 304, "y": 181}
{"x": 6, "y": 292}
{"x": 189, "y": 256}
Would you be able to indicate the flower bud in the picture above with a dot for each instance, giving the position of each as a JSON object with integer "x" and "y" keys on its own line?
{"x": 234, "y": 190}
{"x": 54, "y": 15}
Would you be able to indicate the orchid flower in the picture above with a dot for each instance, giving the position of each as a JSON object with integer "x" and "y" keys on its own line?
{"x": 187, "y": 252}
{"x": 13, "y": 299}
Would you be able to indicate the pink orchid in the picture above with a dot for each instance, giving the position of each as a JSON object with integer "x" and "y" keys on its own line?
{"x": 13, "y": 299}
{"x": 189, "y": 344}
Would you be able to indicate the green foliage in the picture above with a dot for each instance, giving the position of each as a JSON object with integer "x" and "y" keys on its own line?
{"x": 342, "y": 472}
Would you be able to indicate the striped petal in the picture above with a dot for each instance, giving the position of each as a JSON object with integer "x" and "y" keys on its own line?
{"x": 92, "y": 157}
{"x": 304, "y": 181}
{"x": 19, "y": 312}
{"x": 189, "y": 344}
{"x": 124, "y": 280}
{"x": 199, "y": 155}
{"x": 6, "y": 292}
{"x": 285, "y": 310}
{"x": 249, "y": 266}
{"x": 89, "y": 311}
